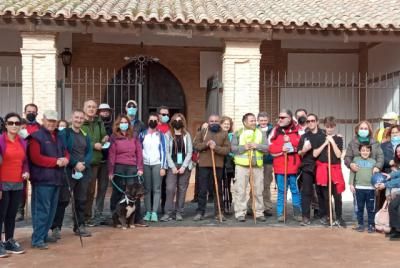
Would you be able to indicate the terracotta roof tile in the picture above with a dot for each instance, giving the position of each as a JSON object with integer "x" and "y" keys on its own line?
{"x": 380, "y": 14}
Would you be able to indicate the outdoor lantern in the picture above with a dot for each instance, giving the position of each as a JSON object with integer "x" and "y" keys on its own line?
{"x": 66, "y": 57}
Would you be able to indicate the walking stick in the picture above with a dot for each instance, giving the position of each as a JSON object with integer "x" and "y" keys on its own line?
{"x": 284, "y": 187}
{"x": 251, "y": 180}
{"x": 216, "y": 185}
{"x": 330, "y": 184}
{"x": 27, "y": 201}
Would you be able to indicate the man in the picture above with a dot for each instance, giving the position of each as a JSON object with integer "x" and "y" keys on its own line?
{"x": 96, "y": 131}
{"x": 301, "y": 117}
{"x": 105, "y": 113}
{"x": 388, "y": 119}
{"x": 163, "y": 113}
{"x": 307, "y": 166}
{"x": 30, "y": 112}
{"x": 249, "y": 142}
{"x": 211, "y": 138}
{"x": 48, "y": 157}
{"x": 77, "y": 174}
{"x": 131, "y": 110}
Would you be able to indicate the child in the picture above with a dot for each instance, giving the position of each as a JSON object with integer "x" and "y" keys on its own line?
{"x": 360, "y": 184}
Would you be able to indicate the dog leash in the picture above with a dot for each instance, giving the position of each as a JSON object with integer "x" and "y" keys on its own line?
{"x": 140, "y": 179}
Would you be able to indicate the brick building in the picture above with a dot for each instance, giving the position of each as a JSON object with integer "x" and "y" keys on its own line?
{"x": 226, "y": 56}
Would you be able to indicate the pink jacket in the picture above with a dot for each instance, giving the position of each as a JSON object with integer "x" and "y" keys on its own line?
{"x": 125, "y": 151}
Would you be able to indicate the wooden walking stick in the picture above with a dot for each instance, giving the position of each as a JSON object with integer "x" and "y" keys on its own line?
{"x": 284, "y": 187}
{"x": 216, "y": 185}
{"x": 330, "y": 185}
{"x": 251, "y": 180}
{"x": 27, "y": 201}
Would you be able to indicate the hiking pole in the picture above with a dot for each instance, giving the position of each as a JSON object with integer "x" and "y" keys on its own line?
{"x": 72, "y": 197}
{"x": 330, "y": 184}
{"x": 285, "y": 186}
{"x": 216, "y": 185}
{"x": 27, "y": 201}
{"x": 251, "y": 180}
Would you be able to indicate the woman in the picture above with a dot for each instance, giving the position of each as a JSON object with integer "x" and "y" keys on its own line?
{"x": 62, "y": 124}
{"x": 125, "y": 161}
{"x": 13, "y": 171}
{"x": 229, "y": 167}
{"x": 283, "y": 144}
{"x": 179, "y": 150}
{"x": 393, "y": 137}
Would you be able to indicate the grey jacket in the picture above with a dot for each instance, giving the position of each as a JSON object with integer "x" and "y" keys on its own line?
{"x": 187, "y": 162}
{"x": 353, "y": 150}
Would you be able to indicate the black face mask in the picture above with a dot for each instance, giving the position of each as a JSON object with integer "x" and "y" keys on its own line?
{"x": 31, "y": 117}
{"x": 106, "y": 118}
{"x": 177, "y": 124}
{"x": 386, "y": 125}
{"x": 302, "y": 120}
{"x": 153, "y": 124}
{"x": 214, "y": 127}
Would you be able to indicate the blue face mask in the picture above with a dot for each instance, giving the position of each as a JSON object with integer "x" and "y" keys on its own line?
{"x": 123, "y": 126}
{"x": 395, "y": 140}
{"x": 165, "y": 118}
{"x": 363, "y": 133}
{"x": 61, "y": 128}
{"x": 77, "y": 175}
{"x": 132, "y": 111}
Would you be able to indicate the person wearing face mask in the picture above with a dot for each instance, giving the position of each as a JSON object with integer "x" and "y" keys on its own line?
{"x": 179, "y": 150}
{"x": 31, "y": 112}
{"x": 284, "y": 139}
{"x": 77, "y": 173}
{"x": 48, "y": 157}
{"x": 131, "y": 109}
{"x": 210, "y": 138}
{"x": 155, "y": 166}
{"x": 125, "y": 159}
{"x": 388, "y": 119}
{"x": 301, "y": 118}
{"x": 363, "y": 134}
{"x": 62, "y": 124}
{"x": 393, "y": 137}
{"x": 23, "y": 132}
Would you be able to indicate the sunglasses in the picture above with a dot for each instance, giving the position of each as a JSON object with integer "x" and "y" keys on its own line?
{"x": 283, "y": 117}
{"x": 311, "y": 121}
{"x": 13, "y": 123}
{"x": 131, "y": 106}
{"x": 164, "y": 114}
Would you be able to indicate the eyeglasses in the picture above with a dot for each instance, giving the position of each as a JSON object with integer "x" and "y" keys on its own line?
{"x": 14, "y": 123}
{"x": 282, "y": 117}
{"x": 131, "y": 106}
{"x": 164, "y": 114}
{"x": 311, "y": 121}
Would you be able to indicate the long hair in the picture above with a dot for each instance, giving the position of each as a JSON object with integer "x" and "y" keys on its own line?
{"x": 370, "y": 134}
{"x": 396, "y": 159}
{"x": 184, "y": 131}
{"x": 117, "y": 131}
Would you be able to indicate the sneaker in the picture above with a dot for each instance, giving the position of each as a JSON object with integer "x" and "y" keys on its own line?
{"x": 154, "y": 217}
{"x": 395, "y": 236}
{"x": 261, "y": 218}
{"x": 359, "y": 228}
{"x": 50, "y": 239}
{"x": 324, "y": 221}
{"x": 91, "y": 223}
{"x": 147, "y": 217}
{"x": 82, "y": 231}
{"x": 340, "y": 223}
{"x": 281, "y": 219}
{"x": 371, "y": 229}
{"x": 178, "y": 217}
{"x": 13, "y": 247}
{"x": 141, "y": 223}
{"x": 165, "y": 218}
{"x": 298, "y": 218}
{"x": 3, "y": 251}
{"x": 21, "y": 217}
{"x": 241, "y": 219}
{"x": 305, "y": 222}
{"x": 56, "y": 233}
{"x": 41, "y": 246}
{"x": 198, "y": 217}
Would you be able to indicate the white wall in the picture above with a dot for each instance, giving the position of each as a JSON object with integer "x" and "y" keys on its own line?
{"x": 384, "y": 57}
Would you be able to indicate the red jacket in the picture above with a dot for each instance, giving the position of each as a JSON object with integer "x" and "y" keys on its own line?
{"x": 275, "y": 147}
{"x": 336, "y": 176}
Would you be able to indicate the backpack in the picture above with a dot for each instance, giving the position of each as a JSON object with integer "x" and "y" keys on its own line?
{"x": 382, "y": 219}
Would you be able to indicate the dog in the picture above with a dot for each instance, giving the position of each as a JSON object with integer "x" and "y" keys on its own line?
{"x": 124, "y": 213}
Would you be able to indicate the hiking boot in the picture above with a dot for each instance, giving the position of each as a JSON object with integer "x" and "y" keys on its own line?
{"x": 198, "y": 217}
{"x": 3, "y": 251}
{"x": 154, "y": 217}
{"x": 281, "y": 219}
{"x": 241, "y": 219}
{"x": 395, "y": 236}
{"x": 147, "y": 217}
{"x": 13, "y": 247}
{"x": 267, "y": 213}
{"x": 261, "y": 218}
{"x": 305, "y": 222}
{"x": 82, "y": 231}
{"x": 165, "y": 218}
{"x": 41, "y": 246}
{"x": 56, "y": 233}
{"x": 371, "y": 229}
{"x": 359, "y": 228}
{"x": 178, "y": 217}
{"x": 340, "y": 223}
{"x": 50, "y": 239}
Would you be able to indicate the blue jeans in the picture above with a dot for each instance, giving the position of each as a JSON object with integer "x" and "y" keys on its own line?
{"x": 366, "y": 198}
{"x": 296, "y": 200}
{"x": 44, "y": 205}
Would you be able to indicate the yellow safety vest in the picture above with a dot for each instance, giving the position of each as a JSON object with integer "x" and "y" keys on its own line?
{"x": 380, "y": 134}
{"x": 249, "y": 136}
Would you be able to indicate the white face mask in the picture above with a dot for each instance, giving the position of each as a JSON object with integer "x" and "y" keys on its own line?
{"x": 61, "y": 128}
{"x": 23, "y": 133}
{"x": 264, "y": 128}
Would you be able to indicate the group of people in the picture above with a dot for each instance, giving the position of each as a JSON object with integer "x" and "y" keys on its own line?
{"x": 76, "y": 160}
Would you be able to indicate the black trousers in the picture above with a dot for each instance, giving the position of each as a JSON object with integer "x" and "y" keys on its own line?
{"x": 307, "y": 192}
{"x": 163, "y": 192}
{"x": 205, "y": 173}
{"x": 323, "y": 200}
{"x": 394, "y": 213}
{"x": 8, "y": 211}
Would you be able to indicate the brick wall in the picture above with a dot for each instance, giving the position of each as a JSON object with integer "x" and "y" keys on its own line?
{"x": 183, "y": 62}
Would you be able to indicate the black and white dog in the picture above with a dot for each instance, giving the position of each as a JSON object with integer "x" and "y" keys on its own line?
{"x": 124, "y": 213}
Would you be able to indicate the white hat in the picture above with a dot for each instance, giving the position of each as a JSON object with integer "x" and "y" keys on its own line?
{"x": 50, "y": 115}
{"x": 390, "y": 116}
{"x": 104, "y": 106}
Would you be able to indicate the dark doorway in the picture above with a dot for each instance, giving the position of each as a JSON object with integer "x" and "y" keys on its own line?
{"x": 147, "y": 82}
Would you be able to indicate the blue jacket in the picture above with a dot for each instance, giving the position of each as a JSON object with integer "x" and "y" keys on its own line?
{"x": 68, "y": 141}
{"x": 388, "y": 154}
{"x": 161, "y": 147}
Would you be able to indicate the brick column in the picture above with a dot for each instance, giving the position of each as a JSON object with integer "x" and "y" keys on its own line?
{"x": 39, "y": 56}
{"x": 241, "y": 79}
